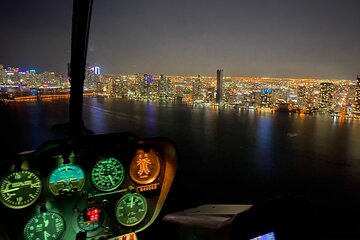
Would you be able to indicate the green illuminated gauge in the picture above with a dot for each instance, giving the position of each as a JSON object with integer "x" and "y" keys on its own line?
{"x": 45, "y": 226}
{"x": 131, "y": 209}
{"x": 66, "y": 179}
{"x": 107, "y": 174}
{"x": 20, "y": 189}
{"x": 144, "y": 167}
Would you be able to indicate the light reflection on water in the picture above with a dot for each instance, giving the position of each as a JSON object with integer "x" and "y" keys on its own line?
{"x": 318, "y": 133}
{"x": 150, "y": 118}
{"x": 264, "y": 141}
{"x": 267, "y": 134}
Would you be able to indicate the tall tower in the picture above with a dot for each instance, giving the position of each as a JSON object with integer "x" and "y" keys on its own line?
{"x": 96, "y": 70}
{"x": 357, "y": 95}
{"x": 162, "y": 88}
{"x": 265, "y": 98}
{"x": 2, "y": 74}
{"x": 146, "y": 88}
{"x": 197, "y": 88}
{"x": 326, "y": 95}
{"x": 219, "y": 85}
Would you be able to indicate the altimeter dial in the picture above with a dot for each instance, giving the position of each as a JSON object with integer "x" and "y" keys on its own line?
{"x": 107, "y": 174}
{"x": 20, "y": 189}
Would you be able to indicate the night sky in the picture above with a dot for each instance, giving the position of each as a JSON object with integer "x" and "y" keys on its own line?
{"x": 278, "y": 38}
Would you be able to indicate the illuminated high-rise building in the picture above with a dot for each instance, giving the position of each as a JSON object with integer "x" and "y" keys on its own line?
{"x": 96, "y": 70}
{"x": 209, "y": 94}
{"x": 326, "y": 95}
{"x": 146, "y": 85}
{"x": 219, "y": 85}
{"x": 2, "y": 74}
{"x": 138, "y": 85}
{"x": 301, "y": 91}
{"x": 90, "y": 81}
{"x": 357, "y": 95}
{"x": 163, "y": 88}
{"x": 265, "y": 98}
{"x": 197, "y": 89}
{"x": 301, "y": 95}
{"x": 92, "y": 76}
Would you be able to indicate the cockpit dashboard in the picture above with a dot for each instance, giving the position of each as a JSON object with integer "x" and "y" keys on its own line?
{"x": 98, "y": 187}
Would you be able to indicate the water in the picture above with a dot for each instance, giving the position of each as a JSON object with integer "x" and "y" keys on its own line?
{"x": 226, "y": 156}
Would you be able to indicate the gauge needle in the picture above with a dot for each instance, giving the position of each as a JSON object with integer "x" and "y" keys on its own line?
{"x": 132, "y": 201}
{"x": 10, "y": 190}
{"x": 111, "y": 180}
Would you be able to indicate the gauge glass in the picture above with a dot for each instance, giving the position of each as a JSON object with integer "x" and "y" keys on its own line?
{"x": 131, "y": 209}
{"x": 43, "y": 226}
{"x": 107, "y": 174}
{"x": 144, "y": 167}
{"x": 20, "y": 189}
{"x": 90, "y": 218}
{"x": 67, "y": 178}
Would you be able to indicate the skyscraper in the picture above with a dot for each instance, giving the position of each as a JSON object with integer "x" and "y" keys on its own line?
{"x": 163, "y": 88}
{"x": 147, "y": 83}
{"x": 265, "y": 98}
{"x": 326, "y": 95}
{"x": 2, "y": 74}
{"x": 90, "y": 78}
{"x": 96, "y": 70}
{"x": 197, "y": 89}
{"x": 357, "y": 95}
{"x": 219, "y": 85}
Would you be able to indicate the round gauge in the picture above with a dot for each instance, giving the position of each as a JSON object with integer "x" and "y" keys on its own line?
{"x": 43, "y": 226}
{"x": 107, "y": 174}
{"x": 66, "y": 178}
{"x": 145, "y": 167}
{"x": 20, "y": 189}
{"x": 131, "y": 209}
{"x": 90, "y": 218}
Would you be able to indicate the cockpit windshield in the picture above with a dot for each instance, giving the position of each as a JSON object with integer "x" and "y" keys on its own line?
{"x": 244, "y": 100}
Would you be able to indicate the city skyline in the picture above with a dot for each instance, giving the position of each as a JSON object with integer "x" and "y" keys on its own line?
{"x": 234, "y": 77}
{"x": 303, "y": 39}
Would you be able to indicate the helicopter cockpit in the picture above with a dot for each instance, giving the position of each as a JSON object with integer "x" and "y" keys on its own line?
{"x": 113, "y": 186}
{"x": 98, "y": 187}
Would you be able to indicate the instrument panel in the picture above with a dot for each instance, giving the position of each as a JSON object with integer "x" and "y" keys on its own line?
{"x": 100, "y": 186}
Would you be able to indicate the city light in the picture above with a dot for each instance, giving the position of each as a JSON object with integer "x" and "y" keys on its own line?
{"x": 295, "y": 95}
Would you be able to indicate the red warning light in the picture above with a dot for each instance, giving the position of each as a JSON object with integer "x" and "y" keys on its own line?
{"x": 93, "y": 214}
